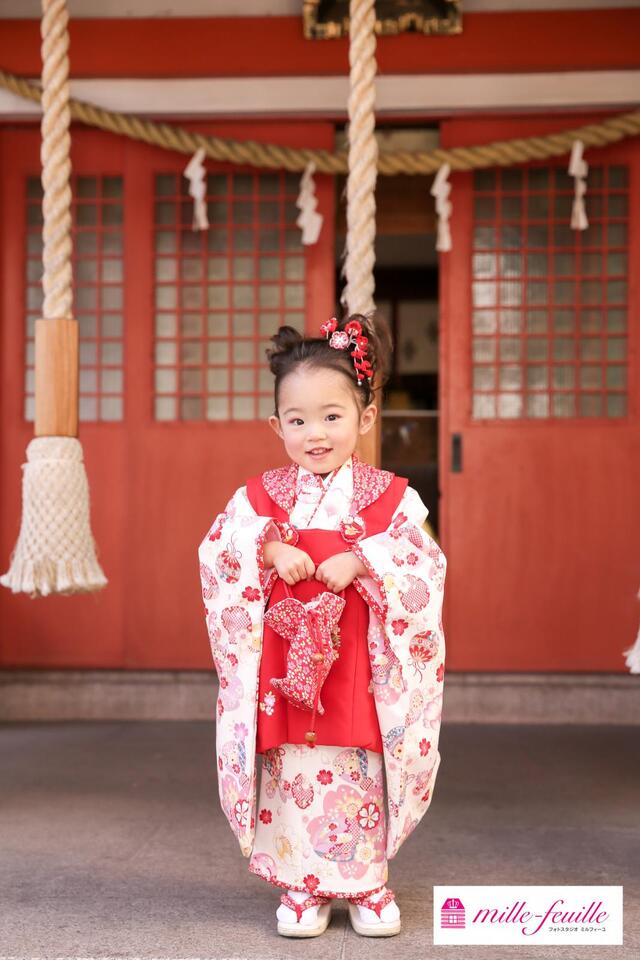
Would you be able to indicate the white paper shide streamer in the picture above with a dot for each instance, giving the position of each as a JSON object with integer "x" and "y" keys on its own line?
{"x": 578, "y": 169}
{"x": 309, "y": 220}
{"x": 441, "y": 189}
{"x": 196, "y": 173}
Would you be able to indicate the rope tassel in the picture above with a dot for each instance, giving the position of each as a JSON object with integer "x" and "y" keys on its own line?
{"x": 55, "y": 552}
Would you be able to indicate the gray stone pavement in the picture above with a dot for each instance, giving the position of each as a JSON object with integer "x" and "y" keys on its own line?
{"x": 113, "y": 844}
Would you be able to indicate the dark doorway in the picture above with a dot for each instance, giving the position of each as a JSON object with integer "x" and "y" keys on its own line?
{"x": 406, "y": 295}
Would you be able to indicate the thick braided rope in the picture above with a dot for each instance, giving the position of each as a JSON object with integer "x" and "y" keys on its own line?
{"x": 55, "y": 551}
{"x": 56, "y": 162}
{"x": 502, "y": 153}
{"x": 363, "y": 159}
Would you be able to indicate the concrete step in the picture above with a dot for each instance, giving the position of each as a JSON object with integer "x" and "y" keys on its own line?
{"x": 612, "y": 698}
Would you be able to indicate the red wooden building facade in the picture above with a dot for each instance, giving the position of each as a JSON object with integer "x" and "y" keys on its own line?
{"x": 538, "y": 454}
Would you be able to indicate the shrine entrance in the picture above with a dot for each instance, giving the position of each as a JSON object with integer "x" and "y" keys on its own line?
{"x": 540, "y": 446}
{"x": 406, "y": 296}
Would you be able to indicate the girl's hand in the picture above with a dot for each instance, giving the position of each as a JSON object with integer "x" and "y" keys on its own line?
{"x": 291, "y": 563}
{"x": 339, "y": 571}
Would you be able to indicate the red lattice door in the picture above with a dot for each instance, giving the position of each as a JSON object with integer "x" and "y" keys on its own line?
{"x": 540, "y": 440}
{"x": 174, "y": 387}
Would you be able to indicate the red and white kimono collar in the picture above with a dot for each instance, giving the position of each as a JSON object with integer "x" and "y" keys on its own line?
{"x": 369, "y": 483}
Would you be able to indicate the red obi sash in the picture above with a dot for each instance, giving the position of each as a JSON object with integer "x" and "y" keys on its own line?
{"x": 350, "y": 717}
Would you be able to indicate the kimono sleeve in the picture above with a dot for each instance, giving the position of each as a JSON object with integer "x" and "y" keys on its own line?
{"x": 232, "y": 571}
{"x": 233, "y": 590}
{"x": 405, "y": 566}
{"x": 404, "y": 588}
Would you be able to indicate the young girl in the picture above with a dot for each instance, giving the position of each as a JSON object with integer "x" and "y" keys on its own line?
{"x": 326, "y": 537}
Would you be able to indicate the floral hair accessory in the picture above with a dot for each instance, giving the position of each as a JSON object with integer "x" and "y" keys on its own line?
{"x": 350, "y": 336}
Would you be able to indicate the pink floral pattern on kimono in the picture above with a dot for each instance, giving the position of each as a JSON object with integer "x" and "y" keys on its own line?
{"x": 404, "y": 589}
{"x": 321, "y": 825}
{"x": 349, "y": 823}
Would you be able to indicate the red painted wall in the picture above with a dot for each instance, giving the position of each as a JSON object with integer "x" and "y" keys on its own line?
{"x": 275, "y": 46}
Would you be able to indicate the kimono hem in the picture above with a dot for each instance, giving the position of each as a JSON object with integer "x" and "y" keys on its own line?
{"x": 321, "y": 820}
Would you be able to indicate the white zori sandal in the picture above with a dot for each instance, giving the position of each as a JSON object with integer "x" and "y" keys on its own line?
{"x": 303, "y": 917}
{"x": 377, "y": 915}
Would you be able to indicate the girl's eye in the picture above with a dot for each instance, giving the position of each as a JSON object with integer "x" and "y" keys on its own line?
{"x": 298, "y": 421}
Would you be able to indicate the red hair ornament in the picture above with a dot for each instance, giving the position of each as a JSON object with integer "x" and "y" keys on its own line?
{"x": 350, "y": 336}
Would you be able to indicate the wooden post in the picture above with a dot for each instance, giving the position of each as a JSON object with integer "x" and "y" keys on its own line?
{"x": 370, "y": 445}
{"x": 56, "y": 408}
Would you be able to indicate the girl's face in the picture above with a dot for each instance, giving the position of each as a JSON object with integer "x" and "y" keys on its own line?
{"x": 319, "y": 418}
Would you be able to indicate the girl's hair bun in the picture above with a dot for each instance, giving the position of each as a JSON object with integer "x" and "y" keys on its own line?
{"x": 290, "y": 349}
{"x": 284, "y": 340}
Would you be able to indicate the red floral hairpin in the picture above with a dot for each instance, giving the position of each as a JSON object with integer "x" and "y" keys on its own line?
{"x": 350, "y": 336}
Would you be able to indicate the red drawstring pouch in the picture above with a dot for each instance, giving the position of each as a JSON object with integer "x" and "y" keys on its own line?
{"x": 314, "y": 640}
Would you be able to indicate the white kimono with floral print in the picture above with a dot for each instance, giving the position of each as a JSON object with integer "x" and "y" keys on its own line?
{"x": 404, "y": 590}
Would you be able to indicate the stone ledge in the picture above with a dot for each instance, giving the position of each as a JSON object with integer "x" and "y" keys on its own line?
{"x": 601, "y": 698}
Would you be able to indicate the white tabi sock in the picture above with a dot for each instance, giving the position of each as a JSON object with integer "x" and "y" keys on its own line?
{"x": 285, "y": 913}
{"x": 388, "y": 914}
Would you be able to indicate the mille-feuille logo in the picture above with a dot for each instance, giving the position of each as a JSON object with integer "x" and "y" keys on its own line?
{"x": 452, "y": 913}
